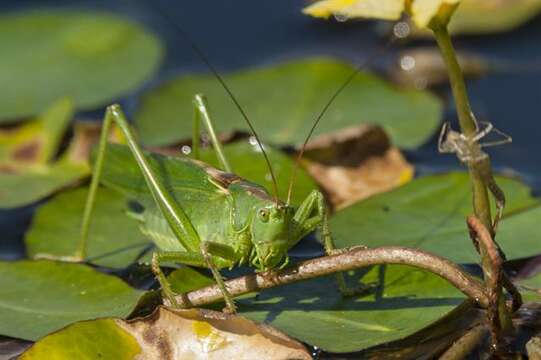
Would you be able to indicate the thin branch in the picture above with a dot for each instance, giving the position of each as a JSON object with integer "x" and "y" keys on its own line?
{"x": 350, "y": 259}
{"x": 481, "y": 236}
{"x": 466, "y": 344}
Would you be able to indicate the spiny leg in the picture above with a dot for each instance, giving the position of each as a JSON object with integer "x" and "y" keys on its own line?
{"x": 201, "y": 113}
{"x": 181, "y": 257}
{"x": 315, "y": 201}
{"x": 202, "y": 259}
{"x": 175, "y": 216}
{"x": 206, "y": 249}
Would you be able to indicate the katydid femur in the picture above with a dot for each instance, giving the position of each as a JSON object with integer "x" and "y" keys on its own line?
{"x": 225, "y": 221}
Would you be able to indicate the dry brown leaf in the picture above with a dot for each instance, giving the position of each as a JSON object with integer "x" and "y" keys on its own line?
{"x": 205, "y": 334}
{"x": 355, "y": 163}
{"x": 424, "y": 67}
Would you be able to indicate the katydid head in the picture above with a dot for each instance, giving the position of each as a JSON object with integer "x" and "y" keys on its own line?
{"x": 270, "y": 235}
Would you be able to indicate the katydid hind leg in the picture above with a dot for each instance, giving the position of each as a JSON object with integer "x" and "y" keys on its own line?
{"x": 172, "y": 211}
{"x": 201, "y": 113}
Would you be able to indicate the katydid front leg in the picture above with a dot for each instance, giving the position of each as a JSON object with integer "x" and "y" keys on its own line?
{"x": 315, "y": 202}
{"x": 175, "y": 216}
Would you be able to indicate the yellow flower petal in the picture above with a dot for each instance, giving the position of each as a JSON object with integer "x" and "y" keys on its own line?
{"x": 379, "y": 9}
{"x": 423, "y": 11}
{"x": 326, "y": 8}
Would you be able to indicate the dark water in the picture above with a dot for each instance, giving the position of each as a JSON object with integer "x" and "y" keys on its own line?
{"x": 240, "y": 33}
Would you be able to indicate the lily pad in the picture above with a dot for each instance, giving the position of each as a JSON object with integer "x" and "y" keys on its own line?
{"x": 187, "y": 279}
{"x": 122, "y": 173}
{"x": 505, "y": 15}
{"x": 97, "y": 339}
{"x": 169, "y": 334}
{"x": 404, "y": 301}
{"x": 28, "y": 171}
{"x": 429, "y": 213}
{"x": 56, "y": 229}
{"x": 39, "y": 297}
{"x": 93, "y": 57}
{"x": 284, "y": 100}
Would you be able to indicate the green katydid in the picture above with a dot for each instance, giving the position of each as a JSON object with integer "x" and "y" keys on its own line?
{"x": 218, "y": 219}
{"x": 222, "y": 222}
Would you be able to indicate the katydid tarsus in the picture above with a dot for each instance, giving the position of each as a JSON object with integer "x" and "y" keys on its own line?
{"x": 218, "y": 220}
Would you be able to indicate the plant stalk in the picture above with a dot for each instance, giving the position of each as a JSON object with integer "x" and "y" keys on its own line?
{"x": 469, "y": 127}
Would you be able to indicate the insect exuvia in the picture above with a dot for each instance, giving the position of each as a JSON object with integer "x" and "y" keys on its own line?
{"x": 211, "y": 218}
{"x": 469, "y": 151}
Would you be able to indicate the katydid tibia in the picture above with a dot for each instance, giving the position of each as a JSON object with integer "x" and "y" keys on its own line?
{"x": 220, "y": 222}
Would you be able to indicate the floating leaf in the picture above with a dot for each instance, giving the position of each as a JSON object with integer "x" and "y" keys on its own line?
{"x": 283, "y": 102}
{"x": 187, "y": 279}
{"x": 404, "y": 301}
{"x": 97, "y": 339}
{"x": 505, "y": 15}
{"x": 424, "y": 67}
{"x": 56, "y": 229}
{"x": 92, "y": 57}
{"x": 27, "y": 169}
{"x": 39, "y": 297}
{"x": 355, "y": 163}
{"x": 171, "y": 334}
{"x": 429, "y": 213}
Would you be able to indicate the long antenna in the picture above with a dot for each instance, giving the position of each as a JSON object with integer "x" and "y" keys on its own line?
{"x": 213, "y": 70}
{"x": 328, "y": 104}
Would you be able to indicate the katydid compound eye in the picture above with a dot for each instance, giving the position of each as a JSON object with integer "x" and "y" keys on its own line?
{"x": 263, "y": 215}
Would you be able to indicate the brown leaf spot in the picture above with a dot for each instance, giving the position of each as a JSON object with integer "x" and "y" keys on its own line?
{"x": 7, "y": 169}
{"x": 28, "y": 152}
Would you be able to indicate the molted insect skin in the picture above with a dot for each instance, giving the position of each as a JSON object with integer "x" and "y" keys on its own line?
{"x": 223, "y": 208}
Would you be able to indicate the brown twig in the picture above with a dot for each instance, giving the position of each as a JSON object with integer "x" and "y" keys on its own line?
{"x": 481, "y": 237}
{"x": 348, "y": 260}
{"x": 465, "y": 345}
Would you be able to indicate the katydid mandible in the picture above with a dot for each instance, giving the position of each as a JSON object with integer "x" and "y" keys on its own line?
{"x": 223, "y": 222}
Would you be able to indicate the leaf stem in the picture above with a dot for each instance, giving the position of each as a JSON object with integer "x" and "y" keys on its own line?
{"x": 469, "y": 127}
{"x": 351, "y": 259}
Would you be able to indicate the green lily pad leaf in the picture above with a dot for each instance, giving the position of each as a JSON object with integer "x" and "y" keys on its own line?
{"x": 169, "y": 334}
{"x": 429, "y": 213}
{"x": 470, "y": 17}
{"x": 97, "y": 339}
{"x": 283, "y": 102}
{"x": 39, "y": 297}
{"x": 187, "y": 279}
{"x": 122, "y": 173}
{"x": 28, "y": 171}
{"x": 93, "y": 57}
{"x": 56, "y": 229}
{"x": 404, "y": 301}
